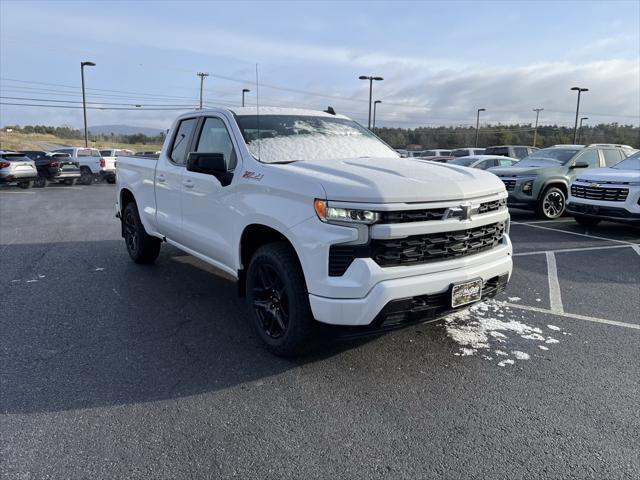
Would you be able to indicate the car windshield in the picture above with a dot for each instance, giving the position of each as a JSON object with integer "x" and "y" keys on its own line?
{"x": 548, "y": 156}
{"x": 460, "y": 153}
{"x": 630, "y": 163}
{"x": 287, "y": 138}
{"x": 464, "y": 161}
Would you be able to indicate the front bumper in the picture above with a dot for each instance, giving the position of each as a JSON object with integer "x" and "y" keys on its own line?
{"x": 374, "y": 307}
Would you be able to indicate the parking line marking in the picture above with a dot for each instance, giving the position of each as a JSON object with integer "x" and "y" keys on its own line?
{"x": 583, "y": 249}
{"x": 555, "y": 298}
{"x": 580, "y": 234}
{"x": 574, "y": 316}
{"x": 543, "y": 221}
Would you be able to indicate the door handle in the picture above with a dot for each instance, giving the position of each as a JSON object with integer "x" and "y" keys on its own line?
{"x": 161, "y": 178}
{"x": 188, "y": 183}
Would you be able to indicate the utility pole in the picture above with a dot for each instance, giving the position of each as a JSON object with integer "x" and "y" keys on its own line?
{"x": 202, "y": 75}
{"x": 371, "y": 78}
{"x": 575, "y": 127}
{"x": 84, "y": 100}
{"x": 535, "y": 130}
{"x": 478, "y": 123}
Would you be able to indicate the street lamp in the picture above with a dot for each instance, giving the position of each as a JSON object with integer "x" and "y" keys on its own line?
{"x": 478, "y": 122}
{"x": 84, "y": 100}
{"x": 581, "y": 119}
{"x": 535, "y": 130}
{"x": 575, "y": 127}
{"x": 244, "y": 90}
{"x": 375, "y": 104}
{"x": 371, "y": 79}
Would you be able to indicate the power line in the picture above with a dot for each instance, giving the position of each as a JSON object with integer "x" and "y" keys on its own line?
{"x": 92, "y": 108}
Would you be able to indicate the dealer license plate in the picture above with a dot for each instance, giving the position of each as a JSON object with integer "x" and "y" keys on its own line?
{"x": 467, "y": 292}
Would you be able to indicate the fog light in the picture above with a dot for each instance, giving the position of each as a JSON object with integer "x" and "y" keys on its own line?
{"x": 527, "y": 187}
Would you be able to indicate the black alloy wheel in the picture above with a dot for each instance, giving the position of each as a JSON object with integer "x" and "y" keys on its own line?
{"x": 271, "y": 302}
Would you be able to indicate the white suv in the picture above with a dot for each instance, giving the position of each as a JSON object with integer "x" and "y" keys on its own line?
{"x": 611, "y": 193}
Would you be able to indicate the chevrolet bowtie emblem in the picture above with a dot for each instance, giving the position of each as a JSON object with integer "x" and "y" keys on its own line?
{"x": 463, "y": 212}
{"x": 594, "y": 185}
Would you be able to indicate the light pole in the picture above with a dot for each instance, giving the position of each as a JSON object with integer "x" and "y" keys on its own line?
{"x": 244, "y": 90}
{"x": 575, "y": 127}
{"x": 371, "y": 79}
{"x": 535, "y": 130}
{"x": 84, "y": 100}
{"x": 581, "y": 119}
{"x": 202, "y": 75}
{"x": 375, "y": 104}
{"x": 478, "y": 123}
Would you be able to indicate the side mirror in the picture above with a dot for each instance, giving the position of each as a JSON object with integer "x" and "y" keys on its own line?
{"x": 210, "y": 164}
{"x": 580, "y": 165}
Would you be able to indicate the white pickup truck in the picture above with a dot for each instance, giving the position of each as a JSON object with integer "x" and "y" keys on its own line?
{"x": 318, "y": 220}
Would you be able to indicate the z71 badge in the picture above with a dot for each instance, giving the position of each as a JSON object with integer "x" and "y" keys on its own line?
{"x": 252, "y": 175}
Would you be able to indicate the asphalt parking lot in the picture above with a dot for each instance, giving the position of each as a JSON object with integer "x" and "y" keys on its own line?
{"x": 113, "y": 370}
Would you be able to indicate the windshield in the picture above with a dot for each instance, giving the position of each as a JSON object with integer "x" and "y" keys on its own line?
{"x": 286, "y": 138}
{"x": 460, "y": 153}
{"x": 463, "y": 161}
{"x": 630, "y": 163}
{"x": 548, "y": 156}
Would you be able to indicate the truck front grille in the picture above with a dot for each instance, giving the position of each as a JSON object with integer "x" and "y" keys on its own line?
{"x": 417, "y": 249}
{"x": 599, "y": 193}
{"x": 405, "y": 216}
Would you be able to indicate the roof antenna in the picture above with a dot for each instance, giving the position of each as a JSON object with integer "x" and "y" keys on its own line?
{"x": 258, "y": 111}
{"x": 330, "y": 110}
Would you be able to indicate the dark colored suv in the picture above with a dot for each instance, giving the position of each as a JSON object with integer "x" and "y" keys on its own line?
{"x": 513, "y": 151}
{"x": 53, "y": 167}
{"x": 541, "y": 181}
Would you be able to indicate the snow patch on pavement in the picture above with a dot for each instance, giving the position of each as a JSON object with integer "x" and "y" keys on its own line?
{"x": 484, "y": 326}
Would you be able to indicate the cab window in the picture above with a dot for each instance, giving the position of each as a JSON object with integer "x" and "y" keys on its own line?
{"x": 214, "y": 138}
{"x": 178, "y": 150}
{"x": 590, "y": 157}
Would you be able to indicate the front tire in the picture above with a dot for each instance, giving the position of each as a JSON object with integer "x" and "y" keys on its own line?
{"x": 278, "y": 300}
{"x": 552, "y": 204}
{"x": 111, "y": 180}
{"x": 70, "y": 181}
{"x": 86, "y": 177}
{"x": 40, "y": 182}
{"x": 25, "y": 185}
{"x": 142, "y": 248}
{"x": 586, "y": 221}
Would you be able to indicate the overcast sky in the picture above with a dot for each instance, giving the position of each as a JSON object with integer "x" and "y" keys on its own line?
{"x": 440, "y": 61}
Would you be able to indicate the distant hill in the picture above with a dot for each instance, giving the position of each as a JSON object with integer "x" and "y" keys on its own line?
{"x": 124, "y": 130}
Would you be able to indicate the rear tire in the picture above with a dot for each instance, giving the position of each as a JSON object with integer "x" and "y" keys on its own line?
{"x": 86, "y": 177}
{"x": 70, "y": 181}
{"x": 278, "y": 300}
{"x": 586, "y": 221}
{"x": 25, "y": 185}
{"x": 142, "y": 248}
{"x": 41, "y": 182}
{"x": 111, "y": 180}
{"x": 552, "y": 204}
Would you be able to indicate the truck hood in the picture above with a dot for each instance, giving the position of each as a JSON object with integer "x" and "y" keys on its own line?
{"x": 609, "y": 175}
{"x": 391, "y": 180}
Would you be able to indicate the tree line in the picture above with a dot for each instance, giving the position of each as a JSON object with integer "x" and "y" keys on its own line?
{"x": 76, "y": 134}
{"x": 452, "y": 137}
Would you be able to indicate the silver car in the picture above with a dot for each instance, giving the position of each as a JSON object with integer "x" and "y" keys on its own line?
{"x": 17, "y": 169}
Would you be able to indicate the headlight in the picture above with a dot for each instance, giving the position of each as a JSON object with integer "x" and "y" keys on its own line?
{"x": 527, "y": 187}
{"x": 330, "y": 214}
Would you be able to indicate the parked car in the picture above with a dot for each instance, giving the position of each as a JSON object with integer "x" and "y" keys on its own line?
{"x": 415, "y": 153}
{"x": 483, "y": 162}
{"x": 17, "y": 169}
{"x": 317, "y": 220}
{"x": 436, "y": 152}
{"x": 440, "y": 159}
{"x": 53, "y": 167}
{"x": 512, "y": 151}
{"x": 611, "y": 193}
{"x": 465, "y": 152}
{"x": 110, "y": 156}
{"x": 541, "y": 181}
{"x": 403, "y": 153}
{"x": 92, "y": 165}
